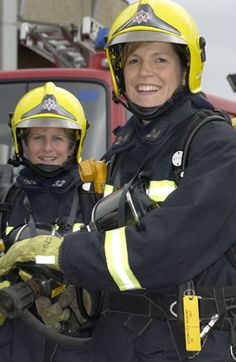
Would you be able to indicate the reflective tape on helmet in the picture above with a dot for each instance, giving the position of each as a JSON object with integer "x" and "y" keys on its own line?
{"x": 117, "y": 260}
{"x": 108, "y": 189}
{"x": 159, "y": 190}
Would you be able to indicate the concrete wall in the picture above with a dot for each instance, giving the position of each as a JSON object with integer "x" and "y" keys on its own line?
{"x": 8, "y": 34}
{"x": 48, "y": 12}
{"x": 107, "y": 10}
{"x": 70, "y": 11}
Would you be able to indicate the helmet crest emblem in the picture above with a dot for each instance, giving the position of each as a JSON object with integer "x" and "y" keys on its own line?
{"x": 146, "y": 16}
{"x": 49, "y": 104}
{"x": 141, "y": 17}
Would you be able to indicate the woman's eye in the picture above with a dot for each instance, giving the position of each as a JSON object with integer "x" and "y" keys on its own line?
{"x": 161, "y": 60}
{"x": 58, "y": 139}
{"x": 132, "y": 61}
{"x": 36, "y": 138}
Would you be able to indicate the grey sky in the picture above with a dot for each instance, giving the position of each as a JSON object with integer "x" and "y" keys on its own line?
{"x": 217, "y": 24}
{"x": 216, "y": 21}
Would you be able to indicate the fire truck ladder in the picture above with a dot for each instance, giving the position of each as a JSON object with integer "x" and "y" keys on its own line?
{"x": 67, "y": 46}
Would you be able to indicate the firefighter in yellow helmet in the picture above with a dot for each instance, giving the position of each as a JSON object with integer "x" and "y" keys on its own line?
{"x": 48, "y": 128}
{"x": 48, "y": 107}
{"x": 162, "y": 260}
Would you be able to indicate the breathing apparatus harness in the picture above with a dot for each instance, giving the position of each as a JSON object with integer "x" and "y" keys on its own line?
{"x": 127, "y": 206}
{"x": 29, "y": 281}
{"x": 217, "y": 306}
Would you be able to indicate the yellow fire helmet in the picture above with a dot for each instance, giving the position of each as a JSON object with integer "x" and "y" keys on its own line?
{"x": 156, "y": 20}
{"x": 48, "y": 106}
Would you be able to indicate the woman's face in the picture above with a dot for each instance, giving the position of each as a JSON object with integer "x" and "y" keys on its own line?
{"x": 49, "y": 145}
{"x": 152, "y": 73}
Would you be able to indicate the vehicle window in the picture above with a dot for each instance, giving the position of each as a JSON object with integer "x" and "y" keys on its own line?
{"x": 9, "y": 95}
{"x": 92, "y": 97}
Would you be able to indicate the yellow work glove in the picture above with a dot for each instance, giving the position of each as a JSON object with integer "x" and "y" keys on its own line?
{"x": 3, "y": 284}
{"x": 52, "y": 314}
{"x": 42, "y": 249}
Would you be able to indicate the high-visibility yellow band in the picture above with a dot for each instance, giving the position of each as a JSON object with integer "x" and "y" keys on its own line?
{"x": 8, "y": 229}
{"x": 108, "y": 189}
{"x": 159, "y": 190}
{"x": 77, "y": 226}
{"x": 117, "y": 260}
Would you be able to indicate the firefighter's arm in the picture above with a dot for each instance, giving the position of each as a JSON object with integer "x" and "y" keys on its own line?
{"x": 42, "y": 249}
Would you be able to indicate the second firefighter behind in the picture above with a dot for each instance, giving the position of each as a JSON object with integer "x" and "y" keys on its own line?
{"x": 48, "y": 127}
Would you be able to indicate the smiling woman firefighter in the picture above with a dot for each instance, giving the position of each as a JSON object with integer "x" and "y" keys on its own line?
{"x": 48, "y": 127}
{"x": 159, "y": 242}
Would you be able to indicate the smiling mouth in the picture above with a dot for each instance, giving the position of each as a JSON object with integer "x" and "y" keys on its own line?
{"x": 47, "y": 158}
{"x": 148, "y": 88}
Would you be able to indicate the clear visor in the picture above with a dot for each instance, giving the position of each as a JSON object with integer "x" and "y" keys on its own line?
{"x": 137, "y": 36}
{"x": 48, "y": 122}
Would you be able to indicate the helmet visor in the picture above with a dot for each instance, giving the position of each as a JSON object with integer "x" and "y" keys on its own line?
{"x": 48, "y": 122}
{"x": 145, "y": 35}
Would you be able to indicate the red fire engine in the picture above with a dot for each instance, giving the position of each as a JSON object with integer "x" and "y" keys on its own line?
{"x": 78, "y": 64}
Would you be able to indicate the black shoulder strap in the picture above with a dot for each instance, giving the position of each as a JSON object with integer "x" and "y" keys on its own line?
{"x": 6, "y": 203}
{"x": 199, "y": 119}
{"x": 67, "y": 225}
{"x": 74, "y": 206}
{"x": 87, "y": 200}
{"x": 31, "y": 221}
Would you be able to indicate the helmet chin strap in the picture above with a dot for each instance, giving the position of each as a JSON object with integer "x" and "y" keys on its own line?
{"x": 44, "y": 170}
{"x": 49, "y": 171}
{"x": 150, "y": 113}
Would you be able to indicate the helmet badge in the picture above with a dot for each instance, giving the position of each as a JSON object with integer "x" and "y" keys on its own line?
{"x": 146, "y": 16}
{"x": 141, "y": 17}
{"x": 49, "y": 103}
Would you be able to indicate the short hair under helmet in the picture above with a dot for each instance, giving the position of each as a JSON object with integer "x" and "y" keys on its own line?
{"x": 49, "y": 106}
{"x": 156, "y": 20}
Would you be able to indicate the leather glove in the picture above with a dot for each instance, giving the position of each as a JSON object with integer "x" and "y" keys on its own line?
{"x": 3, "y": 284}
{"x": 54, "y": 314}
{"x": 32, "y": 249}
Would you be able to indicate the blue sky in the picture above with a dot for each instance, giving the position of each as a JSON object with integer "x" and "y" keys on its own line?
{"x": 217, "y": 24}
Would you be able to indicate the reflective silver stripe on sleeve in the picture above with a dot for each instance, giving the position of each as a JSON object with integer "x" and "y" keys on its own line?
{"x": 117, "y": 260}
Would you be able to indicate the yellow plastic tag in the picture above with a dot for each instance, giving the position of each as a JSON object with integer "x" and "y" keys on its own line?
{"x": 56, "y": 291}
{"x": 24, "y": 275}
{"x": 191, "y": 323}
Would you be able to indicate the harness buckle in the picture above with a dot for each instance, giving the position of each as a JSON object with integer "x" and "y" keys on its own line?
{"x": 206, "y": 329}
